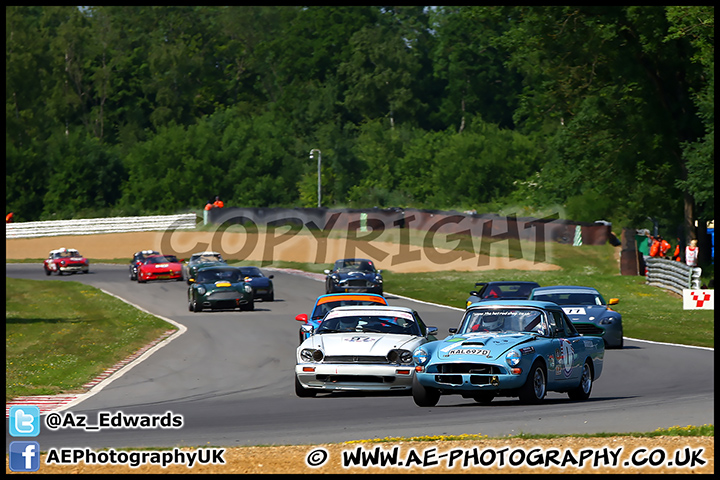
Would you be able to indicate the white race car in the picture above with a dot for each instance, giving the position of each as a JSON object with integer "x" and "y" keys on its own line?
{"x": 361, "y": 348}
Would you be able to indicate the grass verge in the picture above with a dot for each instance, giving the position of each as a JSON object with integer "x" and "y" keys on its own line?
{"x": 676, "y": 431}
{"x": 60, "y": 335}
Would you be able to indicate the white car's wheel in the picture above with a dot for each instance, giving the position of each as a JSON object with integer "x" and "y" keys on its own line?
{"x": 301, "y": 391}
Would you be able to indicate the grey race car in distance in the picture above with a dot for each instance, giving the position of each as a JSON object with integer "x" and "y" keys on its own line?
{"x": 588, "y": 311}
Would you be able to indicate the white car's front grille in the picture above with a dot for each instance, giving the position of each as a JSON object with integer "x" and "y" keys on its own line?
{"x": 373, "y": 359}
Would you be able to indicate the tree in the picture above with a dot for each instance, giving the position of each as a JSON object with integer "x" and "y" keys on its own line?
{"x": 615, "y": 97}
{"x": 697, "y": 23}
{"x": 379, "y": 76}
{"x": 83, "y": 177}
{"x": 472, "y": 66}
{"x": 606, "y": 111}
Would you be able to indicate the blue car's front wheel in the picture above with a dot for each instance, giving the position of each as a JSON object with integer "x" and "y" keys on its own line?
{"x": 424, "y": 396}
{"x": 535, "y": 387}
{"x": 582, "y": 392}
{"x": 484, "y": 397}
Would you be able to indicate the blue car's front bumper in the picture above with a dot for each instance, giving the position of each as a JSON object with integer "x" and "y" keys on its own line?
{"x": 490, "y": 381}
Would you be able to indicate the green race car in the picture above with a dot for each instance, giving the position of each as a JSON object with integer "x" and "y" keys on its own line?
{"x": 220, "y": 288}
{"x": 200, "y": 260}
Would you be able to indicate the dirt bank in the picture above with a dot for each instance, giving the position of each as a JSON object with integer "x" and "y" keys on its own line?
{"x": 299, "y": 248}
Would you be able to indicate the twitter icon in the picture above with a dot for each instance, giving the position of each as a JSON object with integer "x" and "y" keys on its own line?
{"x": 24, "y": 421}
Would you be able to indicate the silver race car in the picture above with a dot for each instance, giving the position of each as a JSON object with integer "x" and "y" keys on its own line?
{"x": 361, "y": 348}
{"x": 588, "y": 311}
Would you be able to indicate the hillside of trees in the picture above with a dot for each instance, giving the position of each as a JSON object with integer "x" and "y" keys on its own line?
{"x": 591, "y": 112}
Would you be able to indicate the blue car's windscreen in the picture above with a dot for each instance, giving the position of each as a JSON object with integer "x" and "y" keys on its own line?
{"x": 251, "y": 272}
{"x": 354, "y": 266}
{"x": 502, "y": 320}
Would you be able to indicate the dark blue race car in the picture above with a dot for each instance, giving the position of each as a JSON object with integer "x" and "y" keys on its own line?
{"x": 262, "y": 285}
{"x": 354, "y": 275}
{"x": 501, "y": 290}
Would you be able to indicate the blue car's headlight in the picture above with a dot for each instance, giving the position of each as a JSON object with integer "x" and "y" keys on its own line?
{"x": 513, "y": 358}
{"x": 420, "y": 357}
{"x": 606, "y": 321}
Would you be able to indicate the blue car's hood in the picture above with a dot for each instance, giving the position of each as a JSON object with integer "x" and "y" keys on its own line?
{"x": 488, "y": 344}
{"x": 585, "y": 313}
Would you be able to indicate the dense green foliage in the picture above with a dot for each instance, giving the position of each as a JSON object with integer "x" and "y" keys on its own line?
{"x": 595, "y": 112}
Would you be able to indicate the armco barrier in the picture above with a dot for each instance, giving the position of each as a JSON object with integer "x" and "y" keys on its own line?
{"x": 672, "y": 275}
{"x": 89, "y": 226}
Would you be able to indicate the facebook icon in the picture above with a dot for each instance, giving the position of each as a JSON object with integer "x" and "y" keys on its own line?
{"x": 24, "y": 456}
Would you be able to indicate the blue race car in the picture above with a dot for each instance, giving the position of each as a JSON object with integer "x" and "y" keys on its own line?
{"x": 508, "y": 348}
{"x": 325, "y": 303}
{"x": 354, "y": 275}
{"x": 262, "y": 286}
{"x": 587, "y": 310}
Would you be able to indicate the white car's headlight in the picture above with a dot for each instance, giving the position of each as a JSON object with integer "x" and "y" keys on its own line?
{"x": 400, "y": 356}
{"x": 513, "y": 358}
{"x": 311, "y": 355}
{"x": 420, "y": 357}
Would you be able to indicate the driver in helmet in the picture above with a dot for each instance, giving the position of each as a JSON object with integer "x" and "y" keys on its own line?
{"x": 347, "y": 324}
{"x": 489, "y": 323}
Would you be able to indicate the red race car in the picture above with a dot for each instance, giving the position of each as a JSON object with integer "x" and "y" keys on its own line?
{"x": 159, "y": 267}
{"x": 65, "y": 260}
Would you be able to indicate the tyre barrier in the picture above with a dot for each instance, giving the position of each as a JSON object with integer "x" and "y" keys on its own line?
{"x": 672, "y": 275}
